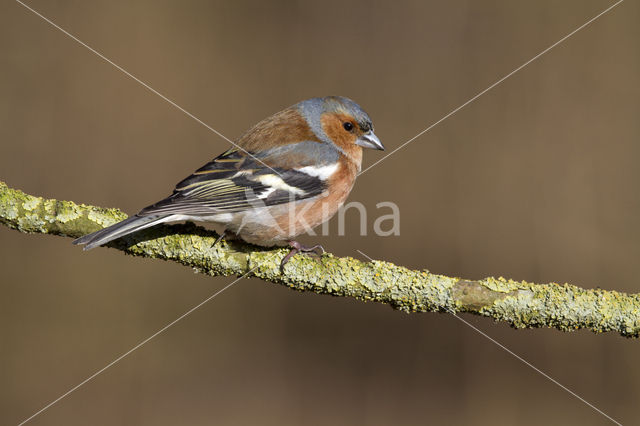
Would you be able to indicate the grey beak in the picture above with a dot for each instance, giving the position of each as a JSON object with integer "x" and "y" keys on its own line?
{"x": 370, "y": 140}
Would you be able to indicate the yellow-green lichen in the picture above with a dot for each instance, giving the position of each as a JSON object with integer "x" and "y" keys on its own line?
{"x": 105, "y": 217}
{"x": 519, "y": 303}
{"x": 502, "y": 284}
{"x": 62, "y": 211}
{"x": 31, "y": 203}
{"x": 31, "y": 223}
{"x": 9, "y": 211}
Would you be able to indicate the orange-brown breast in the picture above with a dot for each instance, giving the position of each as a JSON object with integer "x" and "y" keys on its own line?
{"x": 315, "y": 212}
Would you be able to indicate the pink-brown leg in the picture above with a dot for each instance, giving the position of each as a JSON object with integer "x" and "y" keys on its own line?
{"x": 296, "y": 248}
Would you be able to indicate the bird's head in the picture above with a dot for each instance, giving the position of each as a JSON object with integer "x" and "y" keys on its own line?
{"x": 340, "y": 121}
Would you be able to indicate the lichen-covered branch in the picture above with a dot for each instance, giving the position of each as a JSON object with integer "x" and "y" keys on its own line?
{"x": 519, "y": 303}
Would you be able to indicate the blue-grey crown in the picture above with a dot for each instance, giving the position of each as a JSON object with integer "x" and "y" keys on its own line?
{"x": 312, "y": 109}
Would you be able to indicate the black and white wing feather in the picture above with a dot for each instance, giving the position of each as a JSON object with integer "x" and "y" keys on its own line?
{"x": 235, "y": 182}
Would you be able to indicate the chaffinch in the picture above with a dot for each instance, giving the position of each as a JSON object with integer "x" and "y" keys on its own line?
{"x": 289, "y": 173}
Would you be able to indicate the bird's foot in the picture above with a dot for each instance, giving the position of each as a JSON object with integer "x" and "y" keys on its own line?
{"x": 296, "y": 248}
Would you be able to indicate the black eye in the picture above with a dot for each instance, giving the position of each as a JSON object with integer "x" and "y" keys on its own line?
{"x": 348, "y": 126}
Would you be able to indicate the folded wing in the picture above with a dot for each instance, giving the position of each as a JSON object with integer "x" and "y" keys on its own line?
{"x": 235, "y": 181}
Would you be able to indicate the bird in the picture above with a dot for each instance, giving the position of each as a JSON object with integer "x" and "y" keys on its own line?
{"x": 284, "y": 176}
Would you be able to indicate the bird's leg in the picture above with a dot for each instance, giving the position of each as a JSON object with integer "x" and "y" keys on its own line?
{"x": 296, "y": 248}
{"x": 219, "y": 238}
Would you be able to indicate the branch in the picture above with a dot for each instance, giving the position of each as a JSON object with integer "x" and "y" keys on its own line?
{"x": 519, "y": 303}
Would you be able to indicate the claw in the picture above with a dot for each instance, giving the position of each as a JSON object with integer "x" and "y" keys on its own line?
{"x": 296, "y": 248}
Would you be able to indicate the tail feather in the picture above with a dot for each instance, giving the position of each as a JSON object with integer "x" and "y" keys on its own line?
{"x": 120, "y": 229}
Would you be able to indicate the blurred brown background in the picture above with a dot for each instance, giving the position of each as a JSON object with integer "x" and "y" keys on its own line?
{"x": 536, "y": 180}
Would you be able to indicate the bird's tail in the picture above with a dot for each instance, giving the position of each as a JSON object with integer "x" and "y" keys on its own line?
{"x": 120, "y": 229}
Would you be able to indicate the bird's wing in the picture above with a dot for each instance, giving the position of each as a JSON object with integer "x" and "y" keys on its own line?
{"x": 236, "y": 181}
